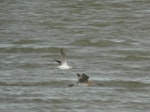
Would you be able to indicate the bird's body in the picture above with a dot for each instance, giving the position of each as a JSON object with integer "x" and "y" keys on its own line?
{"x": 88, "y": 83}
{"x": 64, "y": 66}
{"x": 82, "y": 81}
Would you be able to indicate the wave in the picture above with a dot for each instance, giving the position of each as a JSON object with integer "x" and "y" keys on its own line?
{"x": 101, "y": 43}
{"x": 122, "y": 83}
{"x": 65, "y": 83}
{"x": 27, "y": 41}
{"x": 28, "y": 49}
{"x": 135, "y": 58}
{"x": 132, "y": 52}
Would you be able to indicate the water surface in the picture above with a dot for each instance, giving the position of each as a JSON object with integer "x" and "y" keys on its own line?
{"x": 108, "y": 40}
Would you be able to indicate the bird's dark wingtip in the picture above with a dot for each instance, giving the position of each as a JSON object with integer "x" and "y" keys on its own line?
{"x": 58, "y": 61}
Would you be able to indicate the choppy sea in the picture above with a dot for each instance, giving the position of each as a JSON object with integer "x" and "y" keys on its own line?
{"x": 107, "y": 40}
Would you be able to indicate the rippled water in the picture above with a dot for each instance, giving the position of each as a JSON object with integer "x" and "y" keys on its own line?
{"x": 107, "y": 39}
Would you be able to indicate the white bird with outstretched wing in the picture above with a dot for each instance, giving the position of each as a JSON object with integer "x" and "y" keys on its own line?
{"x": 63, "y": 62}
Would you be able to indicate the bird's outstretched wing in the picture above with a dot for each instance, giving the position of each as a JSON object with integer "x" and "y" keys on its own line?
{"x": 63, "y": 56}
{"x": 58, "y": 61}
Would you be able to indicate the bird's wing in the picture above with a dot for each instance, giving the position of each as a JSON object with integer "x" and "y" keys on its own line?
{"x": 63, "y": 56}
{"x": 58, "y": 61}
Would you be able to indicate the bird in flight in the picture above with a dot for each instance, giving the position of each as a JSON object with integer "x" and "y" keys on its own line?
{"x": 63, "y": 62}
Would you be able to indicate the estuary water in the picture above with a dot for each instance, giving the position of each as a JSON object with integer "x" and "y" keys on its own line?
{"x": 109, "y": 40}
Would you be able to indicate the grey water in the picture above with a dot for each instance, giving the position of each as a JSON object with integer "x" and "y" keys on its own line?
{"x": 109, "y": 40}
